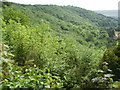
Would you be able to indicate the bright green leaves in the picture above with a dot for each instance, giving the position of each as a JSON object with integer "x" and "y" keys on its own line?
{"x": 9, "y": 13}
{"x": 70, "y": 46}
{"x": 28, "y": 42}
{"x": 28, "y": 76}
{"x": 33, "y": 77}
{"x": 66, "y": 57}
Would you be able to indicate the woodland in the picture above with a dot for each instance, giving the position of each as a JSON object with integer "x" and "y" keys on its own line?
{"x": 58, "y": 47}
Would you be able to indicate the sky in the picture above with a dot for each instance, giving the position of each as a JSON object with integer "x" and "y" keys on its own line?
{"x": 86, "y": 4}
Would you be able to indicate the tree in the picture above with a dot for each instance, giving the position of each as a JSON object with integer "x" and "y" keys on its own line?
{"x": 112, "y": 57}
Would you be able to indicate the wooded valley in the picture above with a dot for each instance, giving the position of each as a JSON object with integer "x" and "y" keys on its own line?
{"x": 50, "y": 46}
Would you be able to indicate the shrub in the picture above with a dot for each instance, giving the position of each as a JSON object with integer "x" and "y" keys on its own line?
{"x": 112, "y": 57}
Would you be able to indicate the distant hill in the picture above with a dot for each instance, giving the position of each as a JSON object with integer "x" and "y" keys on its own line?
{"x": 109, "y": 13}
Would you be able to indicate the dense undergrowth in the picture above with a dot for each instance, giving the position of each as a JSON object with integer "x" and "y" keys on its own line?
{"x": 48, "y": 52}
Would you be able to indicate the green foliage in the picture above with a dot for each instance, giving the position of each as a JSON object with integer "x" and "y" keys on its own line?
{"x": 5, "y": 56}
{"x": 14, "y": 76}
{"x": 22, "y": 39}
{"x": 9, "y": 13}
{"x": 112, "y": 56}
{"x": 103, "y": 77}
{"x": 60, "y": 47}
{"x": 66, "y": 18}
{"x": 33, "y": 77}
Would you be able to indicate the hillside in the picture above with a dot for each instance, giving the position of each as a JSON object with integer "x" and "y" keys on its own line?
{"x": 74, "y": 15}
{"x": 50, "y": 46}
{"x": 66, "y": 17}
